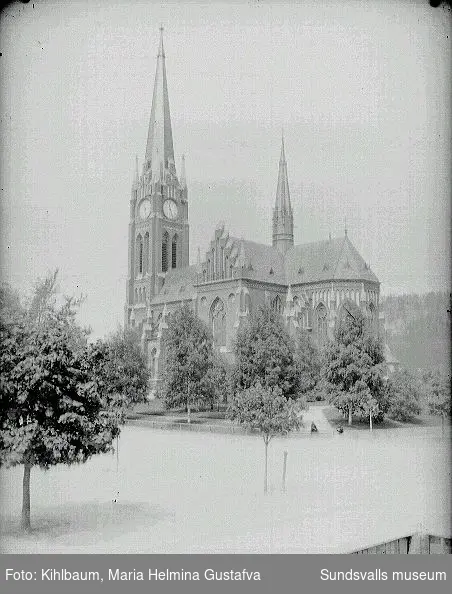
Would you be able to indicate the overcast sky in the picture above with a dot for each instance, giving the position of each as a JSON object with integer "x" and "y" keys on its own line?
{"x": 362, "y": 90}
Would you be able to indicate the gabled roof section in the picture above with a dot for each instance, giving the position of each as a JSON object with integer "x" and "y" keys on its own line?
{"x": 261, "y": 262}
{"x": 159, "y": 156}
{"x": 179, "y": 285}
{"x": 333, "y": 259}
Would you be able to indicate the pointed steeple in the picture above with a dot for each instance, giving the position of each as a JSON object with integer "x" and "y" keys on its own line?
{"x": 183, "y": 181}
{"x": 282, "y": 213}
{"x": 159, "y": 156}
{"x": 136, "y": 179}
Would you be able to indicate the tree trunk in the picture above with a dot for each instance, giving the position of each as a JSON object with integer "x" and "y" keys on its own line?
{"x": 266, "y": 467}
{"x": 188, "y": 404}
{"x": 349, "y": 415}
{"x": 284, "y": 472}
{"x": 26, "y": 525}
{"x": 370, "y": 420}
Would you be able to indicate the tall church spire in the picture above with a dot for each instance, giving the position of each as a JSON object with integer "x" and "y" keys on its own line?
{"x": 282, "y": 213}
{"x": 183, "y": 180}
{"x": 159, "y": 157}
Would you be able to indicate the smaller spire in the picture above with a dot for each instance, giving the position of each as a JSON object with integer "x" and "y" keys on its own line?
{"x": 183, "y": 181}
{"x": 282, "y": 212}
{"x": 345, "y": 225}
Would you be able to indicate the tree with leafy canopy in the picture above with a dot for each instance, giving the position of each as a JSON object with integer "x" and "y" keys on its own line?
{"x": 123, "y": 373}
{"x": 265, "y": 353}
{"x": 310, "y": 364}
{"x": 404, "y": 396}
{"x": 352, "y": 370}
{"x": 438, "y": 394}
{"x": 52, "y": 408}
{"x": 189, "y": 358}
{"x": 267, "y": 410}
{"x": 216, "y": 382}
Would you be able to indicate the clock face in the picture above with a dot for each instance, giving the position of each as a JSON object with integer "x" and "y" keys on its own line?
{"x": 170, "y": 209}
{"x": 144, "y": 209}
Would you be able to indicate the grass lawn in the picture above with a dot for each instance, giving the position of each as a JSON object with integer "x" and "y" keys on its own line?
{"x": 156, "y": 409}
{"x": 335, "y": 418}
{"x": 183, "y": 492}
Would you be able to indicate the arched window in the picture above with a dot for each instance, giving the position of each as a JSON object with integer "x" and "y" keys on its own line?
{"x": 247, "y": 303}
{"x": 321, "y": 323}
{"x": 276, "y": 304}
{"x": 174, "y": 252}
{"x": 139, "y": 254}
{"x": 165, "y": 241}
{"x": 146, "y": 254}
{"x": 218, "y": 322}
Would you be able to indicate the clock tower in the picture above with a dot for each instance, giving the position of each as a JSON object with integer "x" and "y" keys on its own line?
{"x": 158, "y": 227}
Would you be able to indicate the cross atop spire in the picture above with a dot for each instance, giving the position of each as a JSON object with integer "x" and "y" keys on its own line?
{"x": 159, "y": 158}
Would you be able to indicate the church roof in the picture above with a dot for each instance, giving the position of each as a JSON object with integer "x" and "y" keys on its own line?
{"x": 332, "y": 259}
{"x": 262, "y": 262}
{"x": 329, "y": 260}
{"x": 178, "y": 286}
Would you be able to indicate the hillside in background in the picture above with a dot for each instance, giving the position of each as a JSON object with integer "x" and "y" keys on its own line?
{"x": 418, "y": 329}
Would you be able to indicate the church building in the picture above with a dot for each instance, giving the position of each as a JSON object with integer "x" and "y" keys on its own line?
{"x": 306, "y": 283}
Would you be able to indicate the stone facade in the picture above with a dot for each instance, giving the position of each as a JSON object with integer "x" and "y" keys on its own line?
{"x": 307, "y": 283}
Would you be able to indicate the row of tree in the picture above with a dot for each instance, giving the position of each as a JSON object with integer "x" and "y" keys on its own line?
{"x": 349, "y": 372}
{"x": 62, "y": 399}
{"x": 274, "y": 374}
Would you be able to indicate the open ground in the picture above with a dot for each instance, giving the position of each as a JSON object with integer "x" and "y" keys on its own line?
{"x": 189, "y": 492}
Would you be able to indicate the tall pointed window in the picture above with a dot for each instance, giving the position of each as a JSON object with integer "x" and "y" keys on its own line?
{"x": 139, "y": 254}
{"x": 165, "y": 241}
{"x": 174, "y": 252}
{"x": 276, "y": 304}
{"x": 146, "y": 254}
{"x": 321, "y": 324}
{"x": 218, "y": 322}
